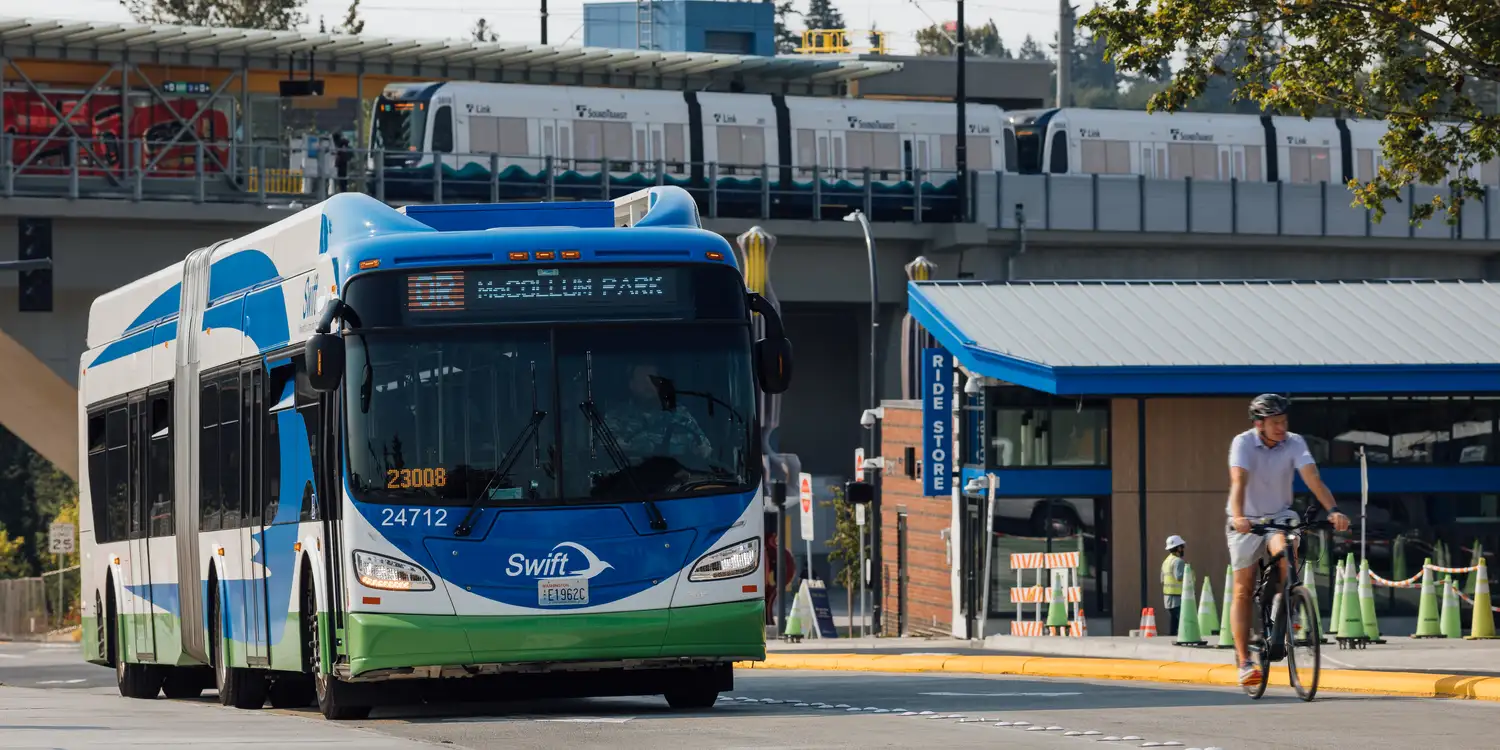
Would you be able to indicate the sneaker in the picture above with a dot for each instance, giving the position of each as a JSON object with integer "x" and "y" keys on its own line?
{"x": 1250, "y": 674}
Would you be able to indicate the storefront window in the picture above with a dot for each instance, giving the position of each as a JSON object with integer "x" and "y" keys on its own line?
{"x": 1030, "y": 429}
{"x": 1404, "y": 430}
{"x": 1056, "y": 524}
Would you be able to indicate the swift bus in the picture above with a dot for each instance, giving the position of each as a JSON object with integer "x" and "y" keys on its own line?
{"x": 369, "y": 455}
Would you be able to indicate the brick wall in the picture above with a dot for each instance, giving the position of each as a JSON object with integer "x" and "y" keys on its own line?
{"x": 929, "y": 597}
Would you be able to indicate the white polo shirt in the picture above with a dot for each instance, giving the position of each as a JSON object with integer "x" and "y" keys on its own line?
{"x": 1269, "y": 489}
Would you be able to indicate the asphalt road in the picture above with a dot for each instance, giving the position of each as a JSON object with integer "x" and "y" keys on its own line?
{"x": 49, "y": 693}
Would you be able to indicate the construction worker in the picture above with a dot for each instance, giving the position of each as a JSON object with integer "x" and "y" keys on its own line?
{"x": 1173, "y": 569}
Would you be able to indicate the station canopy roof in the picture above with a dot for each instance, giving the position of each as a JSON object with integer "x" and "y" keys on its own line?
{"x": 1220, "y": 337}
{"x": 227, "y": 47}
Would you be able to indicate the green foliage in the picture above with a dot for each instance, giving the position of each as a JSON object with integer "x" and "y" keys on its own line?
{"x": 786, "y": 39}
{"x": 352, "y": 24}
{"x": 13, "y": 563}
{"x": 843, "y": 545}
{"x": 1426, "y": 66}
{"x": 483, "y": 31}
{"x": 822, "y": 15}
{"x": 1031, "y": 50}
{"x": 982, "y": 41}
{"x": 32, "y": 495}
{"x": 275, "y": 15}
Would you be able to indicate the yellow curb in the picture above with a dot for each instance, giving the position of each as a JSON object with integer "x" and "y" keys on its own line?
{"x": 1412, "y": 684}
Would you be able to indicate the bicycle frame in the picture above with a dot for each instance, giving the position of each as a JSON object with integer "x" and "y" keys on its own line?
{"x": 1272, "y": 622}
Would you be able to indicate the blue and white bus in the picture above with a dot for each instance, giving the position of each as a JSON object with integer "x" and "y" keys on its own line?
{"x": 367, "y": 455}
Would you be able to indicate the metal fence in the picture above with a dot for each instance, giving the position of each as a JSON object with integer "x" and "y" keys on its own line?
{"x": 274, "y": 174}
{"x": 33, "y": 607}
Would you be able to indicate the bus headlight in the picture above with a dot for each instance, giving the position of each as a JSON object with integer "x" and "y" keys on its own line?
{"x": 381, "y": 572}
{"x": 729, "y": 562}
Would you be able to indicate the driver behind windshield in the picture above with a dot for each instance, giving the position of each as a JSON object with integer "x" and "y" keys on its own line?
{"x": 647, "y": 423}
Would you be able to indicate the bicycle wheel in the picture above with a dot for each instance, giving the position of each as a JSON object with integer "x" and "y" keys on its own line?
{"x": 1303, "y": 644}
{"x": 1260, "y": 632}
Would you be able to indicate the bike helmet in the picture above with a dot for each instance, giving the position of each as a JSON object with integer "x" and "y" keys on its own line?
{"x": 1269, "y": 405}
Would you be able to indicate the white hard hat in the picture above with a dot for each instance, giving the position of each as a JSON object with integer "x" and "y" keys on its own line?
{"x": 1175, "y": 541}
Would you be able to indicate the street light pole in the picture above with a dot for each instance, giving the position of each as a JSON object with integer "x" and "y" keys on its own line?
{"x": 872, "y": 448}
{"x": 961, "y": 146}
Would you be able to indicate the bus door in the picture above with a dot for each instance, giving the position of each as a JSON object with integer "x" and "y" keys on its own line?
{"x": 141, "y": 632}
{"x": 252, "y": 526}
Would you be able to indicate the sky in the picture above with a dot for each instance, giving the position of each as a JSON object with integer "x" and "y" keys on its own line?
{"x": 518, "y": 20}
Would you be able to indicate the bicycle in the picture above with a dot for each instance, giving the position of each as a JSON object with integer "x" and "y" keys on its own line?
{"x": 1293, "y": 605}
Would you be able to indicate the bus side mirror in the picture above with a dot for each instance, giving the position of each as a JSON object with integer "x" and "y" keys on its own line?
{"x": 773, "y": 363}
{"x": 324, "y": 353}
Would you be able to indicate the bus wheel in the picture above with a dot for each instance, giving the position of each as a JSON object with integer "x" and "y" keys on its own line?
{"x": 141, "y": 681}
{"x": 693, "y": 694}
{"x": 334, "y": 700}
{"x": 238, "y": 687}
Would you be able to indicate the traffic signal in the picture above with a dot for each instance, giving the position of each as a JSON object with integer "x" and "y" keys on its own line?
{"x": 35, "y": 287}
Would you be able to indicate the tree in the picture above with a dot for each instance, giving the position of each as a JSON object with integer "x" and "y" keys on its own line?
{"x": 786, "y": 40}
{"x": 274, "y": 15}
{"x": 1423, "y": 65}
{"x": 13, "y": 562}
{"x": 1031, "y": 50}
{"x": 483, "y": 32}
{"x": 353, "y": 24}
{"x": 843, "y": 547}
{"x": 822, "y": 15}
{"x": 983, "y": 41}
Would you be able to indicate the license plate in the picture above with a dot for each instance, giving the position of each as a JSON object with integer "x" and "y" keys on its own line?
{"x": 562, "y": 592}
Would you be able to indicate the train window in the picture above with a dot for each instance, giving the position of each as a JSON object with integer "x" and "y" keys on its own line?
{"x": 676, "y": 144}
{"x": 753, "y": 145}
{"x": 1322, "y": 166}
{"x": 208, "y": 459}
{"x": 484, "y": 138}
{"x": 1117, "y": 157}
{"x": 1012, "y": 152}
{"x": 1205, "y": 161}
{"x": 981, "y": 153}
{"x": 588, "y": 140}
{"x": 861, "y": 150}
{"x": 1364, "y": 164}
{"x": 807, "y": 151}
{"x": 1059, "y": 156}
{"x": 159, "y": 465}
{"x": 1091, "y": 158}
{"x": 729, "y": 148}
{"x": 513, "y": 136}
{"x": 442, "y": 130}
{"x": 640, "y": 153}
{"x": 1180, "y": 159}
{"x": 1253, "y": 162}
{"x": 617, "y": 145}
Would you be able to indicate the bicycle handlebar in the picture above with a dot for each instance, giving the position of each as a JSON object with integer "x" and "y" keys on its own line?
{"x": 1261, "y": 528}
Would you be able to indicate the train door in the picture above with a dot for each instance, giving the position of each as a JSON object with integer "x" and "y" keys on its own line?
{"x": 557, "y": 142}
{"x": 1231, "y": 162}
{"x": 252, "y": 527}
{"x": 141, "y": 631}
{"x": 908, "y": 158}
{"x": 640, "y": 136}
{"x": 656, "y": 149}
{"x": 836, "y": 163}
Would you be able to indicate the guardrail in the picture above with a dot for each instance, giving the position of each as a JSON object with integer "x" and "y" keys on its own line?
{"x": 274, "y": 174}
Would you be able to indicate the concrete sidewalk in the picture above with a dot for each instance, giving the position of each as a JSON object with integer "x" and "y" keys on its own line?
{"x": 1447, "y": 656}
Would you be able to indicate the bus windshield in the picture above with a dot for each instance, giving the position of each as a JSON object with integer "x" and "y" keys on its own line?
{"x": 537, "y": 416}
{"x": 399, "y": 125}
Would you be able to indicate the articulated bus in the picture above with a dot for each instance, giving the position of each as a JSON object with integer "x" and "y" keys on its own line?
{"x": 368, "y": 455}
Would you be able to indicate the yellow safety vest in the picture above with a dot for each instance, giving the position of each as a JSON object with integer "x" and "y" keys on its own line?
{"x": 1171, "y": 585}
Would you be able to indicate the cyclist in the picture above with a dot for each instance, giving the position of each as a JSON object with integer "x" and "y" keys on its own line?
{"x": 1261, "y": 462}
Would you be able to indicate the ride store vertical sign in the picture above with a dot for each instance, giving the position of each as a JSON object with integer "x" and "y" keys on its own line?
{"x": 937, "y": 421}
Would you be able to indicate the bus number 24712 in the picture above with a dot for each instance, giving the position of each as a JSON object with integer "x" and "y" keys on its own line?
{"x": 413, "y": 516}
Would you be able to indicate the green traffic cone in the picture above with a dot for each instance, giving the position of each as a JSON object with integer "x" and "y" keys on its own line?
{"x": 1226, "y": 629}
{"x": 1337, "y": 584}
{"x": 1310, "y": 582}
{"x": 1187, "y": 622}
{"x": 1451, "y": 620}
{"x": 1351, "y": 626}
{"x": 1367, "y": 602}
{"x": 1427, "y": 610}
{"x": 1484, "y": 617}
{"x": 1083, "y": 558}
{"x": 1208, "y": 614}
{"x": 1473, "y": 575}
{"x": 1057, "y": 604}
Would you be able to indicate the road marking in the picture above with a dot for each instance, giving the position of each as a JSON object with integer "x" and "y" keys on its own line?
{"x": 59, "y": 682}
{"x": 1001, "y": 695}
{"x": 11, "y": 656}
{"x": 596, "y": 720}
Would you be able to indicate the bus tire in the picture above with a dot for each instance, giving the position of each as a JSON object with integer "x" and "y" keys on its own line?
{"x": 237, "y": 686}
{"x": 139, "y": 681}
{"x": 333, "y": 697}
{"x": 692, "y": 694}
{"x": 183, "y": 683}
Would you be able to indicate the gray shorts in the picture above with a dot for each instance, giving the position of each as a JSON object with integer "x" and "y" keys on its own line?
{"x": 1247, "y": 549}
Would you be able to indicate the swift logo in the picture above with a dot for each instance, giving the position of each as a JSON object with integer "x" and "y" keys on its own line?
{"x": 309, "y": 295}
{"x": 555, "y": 564}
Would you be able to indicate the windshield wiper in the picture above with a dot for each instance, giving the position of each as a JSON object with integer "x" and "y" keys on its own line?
{"x": 612, "y": 444}
{"x": 507, "y": 461}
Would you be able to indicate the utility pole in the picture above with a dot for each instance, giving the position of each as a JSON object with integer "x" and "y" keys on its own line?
{"x": 544, "y": 21}
{"x": 1064, "y": 52}
{"x": 961, "y": 145}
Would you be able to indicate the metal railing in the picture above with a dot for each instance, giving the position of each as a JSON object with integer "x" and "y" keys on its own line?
{"x": 276, "y": 174}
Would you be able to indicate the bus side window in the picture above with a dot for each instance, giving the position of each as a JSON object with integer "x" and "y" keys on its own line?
{"x": 442, "y": 130}
{"x": 208, "y": 459}
{"x": 159, "y": 464}
{"x": 1059, "y": 157}
{"x": 307, "y": 407}
{"x": 229, "y": 452}
{"x": 98, "y": 477}
{"x": 117, "y": 444}
{"x": 278, "y": 387}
